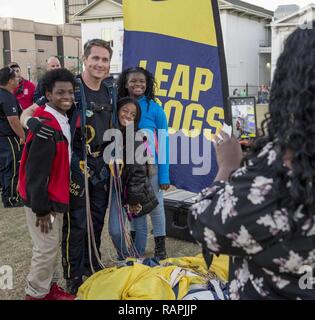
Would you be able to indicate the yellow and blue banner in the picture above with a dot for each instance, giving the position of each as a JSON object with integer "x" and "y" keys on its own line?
{"x": 180, "y": 42}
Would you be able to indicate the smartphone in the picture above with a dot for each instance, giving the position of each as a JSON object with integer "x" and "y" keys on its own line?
{"x": 244, "y": 123}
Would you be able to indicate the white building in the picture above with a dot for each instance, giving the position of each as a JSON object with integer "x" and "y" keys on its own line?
{"x": 31, "y": 43}
{"x": 246, "y": 35}
{"x": 247, "y": 43}
{"x": 104, "y": 19}
{"x": 282, "y": 28}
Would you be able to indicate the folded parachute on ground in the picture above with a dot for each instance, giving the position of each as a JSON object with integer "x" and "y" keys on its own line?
{"x": 173, "y": 279}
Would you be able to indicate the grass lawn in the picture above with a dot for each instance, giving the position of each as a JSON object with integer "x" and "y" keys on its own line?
{"x": 16, "y": 249}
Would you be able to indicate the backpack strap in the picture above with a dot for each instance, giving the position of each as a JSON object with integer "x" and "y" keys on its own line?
{"x": 77, "y": 112}
{"x": 81, "y": 111}
{"x": 112, "y": 89}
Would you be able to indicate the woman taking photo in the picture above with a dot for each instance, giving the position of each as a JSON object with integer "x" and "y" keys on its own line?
{"x": 262, "y": 215}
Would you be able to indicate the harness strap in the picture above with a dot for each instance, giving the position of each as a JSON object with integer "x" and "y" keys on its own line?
{"x": 116, "y": 171}
{"x": 90, "y": 229}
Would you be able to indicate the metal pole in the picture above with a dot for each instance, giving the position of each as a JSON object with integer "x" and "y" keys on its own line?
{"x": 78, "y": 55}
{"x": 29, "y": 72}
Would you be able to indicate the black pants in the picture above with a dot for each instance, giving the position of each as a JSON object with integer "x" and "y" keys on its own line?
{"x": 10, "y": 156}
{"x": 75, "y": 255}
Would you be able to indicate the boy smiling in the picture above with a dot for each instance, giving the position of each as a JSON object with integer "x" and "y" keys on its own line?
{"x": 44, "y": 186}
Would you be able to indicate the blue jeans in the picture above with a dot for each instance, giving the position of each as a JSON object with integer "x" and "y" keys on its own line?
{"x": 115, "y": 228}
{"x": 139, "y": 225}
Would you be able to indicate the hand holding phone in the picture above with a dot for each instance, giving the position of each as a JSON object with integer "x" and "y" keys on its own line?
{"x": 243, "y": 112}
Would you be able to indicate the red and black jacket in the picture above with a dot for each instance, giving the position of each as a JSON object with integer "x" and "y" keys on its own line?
{"x": 24, "y": 93}
{"x": 44, "y": 175}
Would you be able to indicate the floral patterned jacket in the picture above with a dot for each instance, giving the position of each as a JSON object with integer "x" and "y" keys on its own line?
{"x": 242, "y": 218}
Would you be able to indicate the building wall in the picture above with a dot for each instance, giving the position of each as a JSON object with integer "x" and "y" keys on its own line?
{"x": 46, "y": 29}
{"x": 40, "y": 41}
{"x": 265, "y": 69}
{"x": 73, "y": 6}
{"x": 278, "y": 38}
{"x": 224, "y": 24}
{"x": 280, "y": 32}
{"x": 243, "y": 36}
{"x": 72, "y": 46}
{"x": 23, "y": 40}
{"x": 50, "y": 49}
{"x": 109, "y": 30}
{"x": 1, "y": 51}
{"x": 72, "y": 54}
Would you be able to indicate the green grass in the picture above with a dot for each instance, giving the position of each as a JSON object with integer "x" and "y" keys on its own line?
{"x": 16, "y": 249}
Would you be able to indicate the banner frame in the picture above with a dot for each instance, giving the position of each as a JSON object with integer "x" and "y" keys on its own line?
{"x": 223, "y": 67}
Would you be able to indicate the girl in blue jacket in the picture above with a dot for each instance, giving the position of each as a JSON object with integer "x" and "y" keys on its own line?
{"x": 139, "y": 84}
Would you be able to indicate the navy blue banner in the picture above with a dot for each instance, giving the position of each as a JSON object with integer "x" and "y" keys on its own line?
{"x": 191, "y": 89}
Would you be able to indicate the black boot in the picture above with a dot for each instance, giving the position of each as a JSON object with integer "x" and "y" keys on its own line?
{"x": 133, "y": 236}
{"x": 160, "y": 251}
{"x": 73, "y": 285}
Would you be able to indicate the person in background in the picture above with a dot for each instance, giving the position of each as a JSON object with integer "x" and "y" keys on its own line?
{"x": 139, "y": 84}
{"x": 52, "y": 64}
{"x": 12, "y": 137}
{"x": 243, "y": 93}
{"x": 44, "y": 182}
{"x": 235, "y": 92}
{"x": 260, "y": 95}
{"x": 263, "y": 214}
{"x": 265, "y": 94}
{"x": 25, "y": 89}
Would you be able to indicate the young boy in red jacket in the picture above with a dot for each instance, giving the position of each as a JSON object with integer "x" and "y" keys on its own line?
{"x": 44, "y": 179}
{"x": 25, "y": 90}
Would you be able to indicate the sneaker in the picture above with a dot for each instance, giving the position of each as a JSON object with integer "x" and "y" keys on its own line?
{"x": 28, "y": 297}
{"x": 87, "y": 273}
{"x": 17, "y": 204}
{"x": 160, "y": 251}
{"x": 57, "y": 293}
{"x": 73, "y": 285}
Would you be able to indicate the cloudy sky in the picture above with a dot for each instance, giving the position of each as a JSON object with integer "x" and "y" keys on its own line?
{"x": 273, "y": 4}
{"x": 50, "y": 11}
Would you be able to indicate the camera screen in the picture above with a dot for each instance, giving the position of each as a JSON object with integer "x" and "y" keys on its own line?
{"x": 243, "y": 117}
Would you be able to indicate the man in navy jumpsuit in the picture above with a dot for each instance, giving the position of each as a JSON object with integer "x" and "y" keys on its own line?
{"x": 12, "y": 137}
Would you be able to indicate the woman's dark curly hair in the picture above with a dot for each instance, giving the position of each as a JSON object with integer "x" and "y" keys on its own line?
{"x": 291, "y": 120}
{"x": 150, "y": 83}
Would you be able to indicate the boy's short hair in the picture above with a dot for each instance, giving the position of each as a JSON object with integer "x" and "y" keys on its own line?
{"x": 6, "y": 74}
{"x": 14, "y": 65}
{"x": 96, "y": 43}
{"x": 53, "y": 76}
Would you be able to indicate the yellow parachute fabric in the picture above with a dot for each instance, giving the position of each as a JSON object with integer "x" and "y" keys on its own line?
{"x": 137, "y": 282}
{"x": 141, "y": 282}
{"x": 219, "y": 265}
